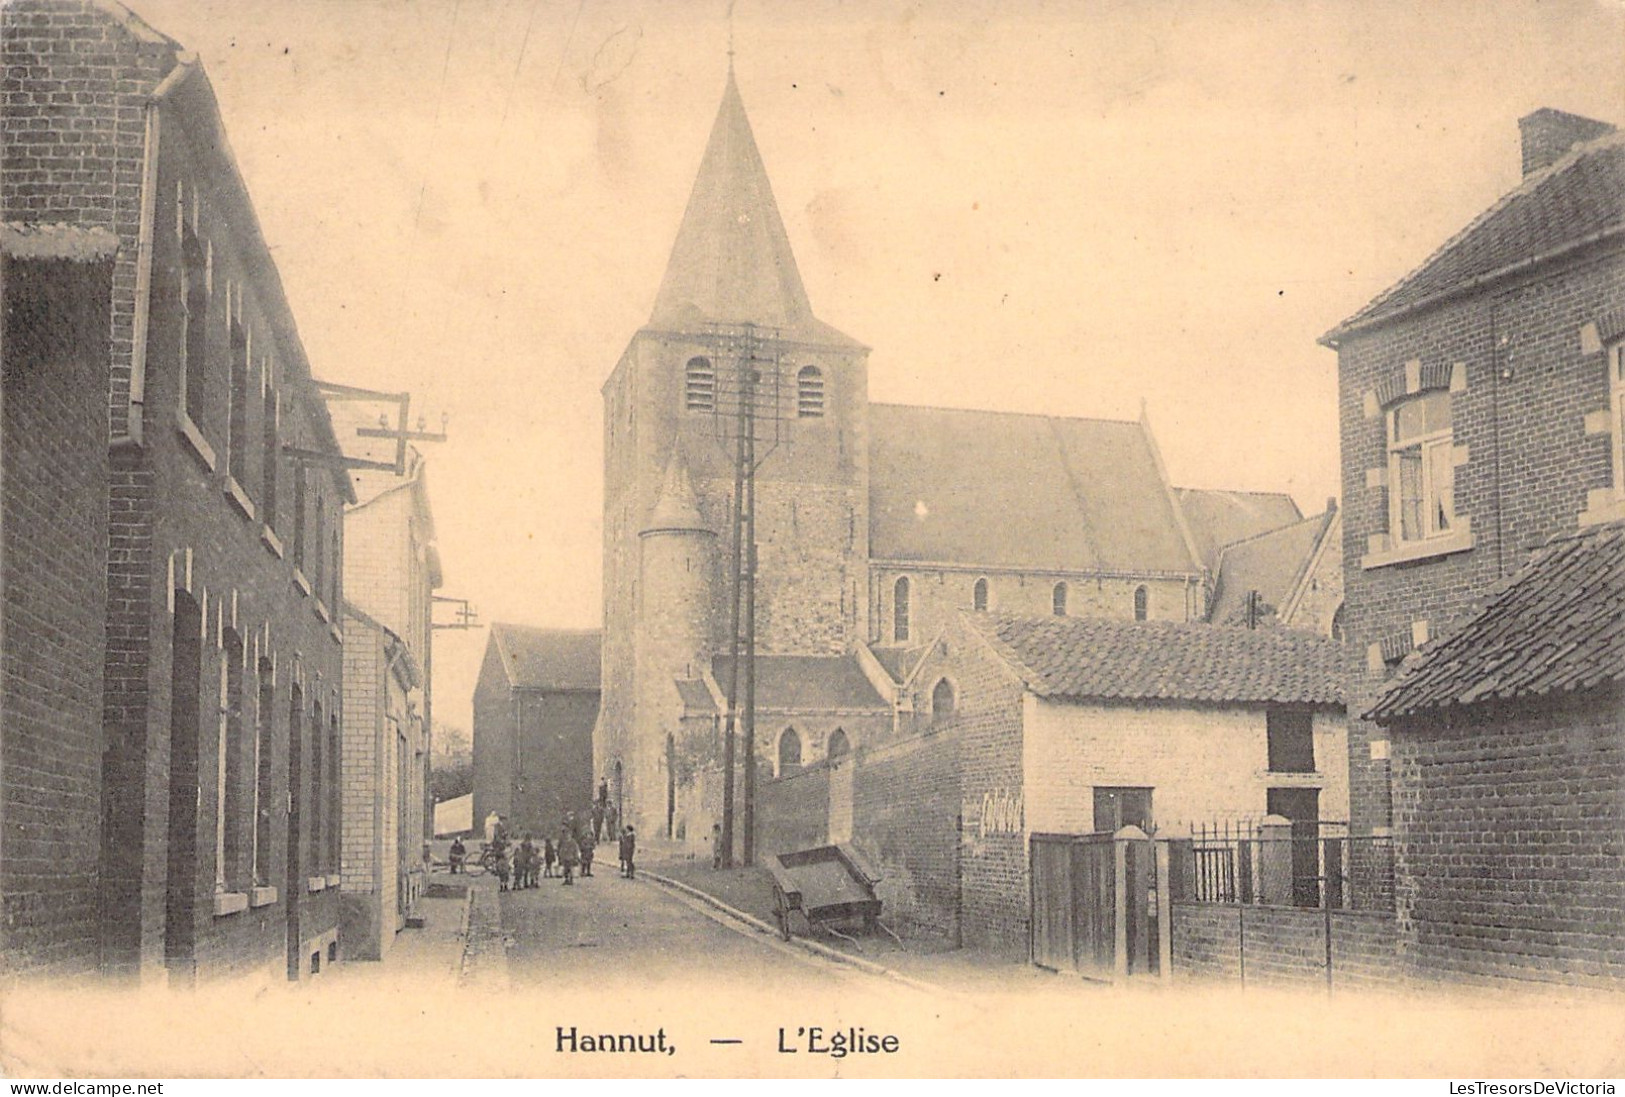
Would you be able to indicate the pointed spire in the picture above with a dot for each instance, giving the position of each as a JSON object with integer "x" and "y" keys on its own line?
{"x": 677, "y": 509}
{"x": 732, "y": 262}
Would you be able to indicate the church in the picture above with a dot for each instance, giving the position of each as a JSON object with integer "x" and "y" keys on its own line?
{"x": 875, "y": 524}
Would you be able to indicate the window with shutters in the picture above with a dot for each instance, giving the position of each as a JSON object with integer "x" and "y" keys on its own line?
{"x": 810, "y": 393}
{"x": 700, "y": 385}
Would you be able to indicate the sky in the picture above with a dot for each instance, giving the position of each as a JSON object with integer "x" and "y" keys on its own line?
{"x": 1064, "y": 208}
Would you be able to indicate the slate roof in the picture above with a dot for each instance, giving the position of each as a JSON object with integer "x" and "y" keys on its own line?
{"x": 1081, "y": 658}
{"x": 696, "y": 697}
{"x": 1579, "y": 197}
{"x": 1220, "y": 518}
{"x": 1271, "y": 563}
{"x": 731, "y": 262}
{"x": 561, "y": 660}
{"x": 1556, "y": 627}
{"x": 1034, "y": 492}
{"x": 794, "y": 683}
{"x": 897, "y": 661}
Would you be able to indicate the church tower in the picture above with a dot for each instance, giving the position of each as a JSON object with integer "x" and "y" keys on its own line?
{"x": 731, "y": 291}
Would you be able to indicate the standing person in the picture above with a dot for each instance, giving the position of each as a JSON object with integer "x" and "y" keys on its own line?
{"x": 491, "y": 821}
{"x": 527, "y": 854}
{"x": 597, "y": 822}
{"x": 569, "y": 855}
{"x": 629, "y": 849}
{"x": 459, "y": 854}
{"x": 588, "y": 844}
{"x": 549, "y": 856}
{"x": 603, "y": 791}
{"x": 612, "y": 821}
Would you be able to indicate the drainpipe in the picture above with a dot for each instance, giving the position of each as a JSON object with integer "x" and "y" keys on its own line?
{"x": 133, "y": 431}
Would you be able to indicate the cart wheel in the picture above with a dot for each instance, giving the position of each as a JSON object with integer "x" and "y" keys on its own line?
{"x": 783, "y": 909}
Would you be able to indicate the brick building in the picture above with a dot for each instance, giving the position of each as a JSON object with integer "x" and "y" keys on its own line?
{"x": 535, "y": 703}
{"x": 57, "y": 283}
{"x": 1071, "y": 725}
{"x": 1478, "y": 414}
{"x": 874, "y": 524}
{"x": 218, "y": 760}
{"x": 1509, "y": 778}
{"x": 1480, "y": 407}
{"x": 391, "y": 571}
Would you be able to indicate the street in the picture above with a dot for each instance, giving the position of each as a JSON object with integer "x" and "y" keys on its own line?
{"x": 605, "y": 931}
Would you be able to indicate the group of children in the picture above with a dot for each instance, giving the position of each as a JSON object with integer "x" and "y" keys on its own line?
{"x": 516, "y": 868}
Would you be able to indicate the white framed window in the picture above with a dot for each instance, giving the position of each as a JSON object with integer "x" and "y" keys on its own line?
{"x": 1421, "y": 468}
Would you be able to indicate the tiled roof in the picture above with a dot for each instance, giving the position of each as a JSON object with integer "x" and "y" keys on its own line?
{"x": 1220, "y": 518}
{"x": 1083, "y": 658}
{"x": 793, "y": 683}
{"x": 1034, "y": 492}
{"x": 1271, "y": 563}
{"x": 1557, "y": 626}
{"x": 563, "y": 660}
{"x": 1579, "y": 197}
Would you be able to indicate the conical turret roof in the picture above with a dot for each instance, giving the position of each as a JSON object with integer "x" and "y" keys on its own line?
{"x": 677, "y": 510}
{"x": 732, "y": 262}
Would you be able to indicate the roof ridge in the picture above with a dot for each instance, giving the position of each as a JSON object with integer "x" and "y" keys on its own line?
{"x": 1526, "y": 186}
{"x": 1012, "y": 414}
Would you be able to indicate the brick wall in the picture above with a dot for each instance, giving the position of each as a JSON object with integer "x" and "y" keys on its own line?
{"x": 53, "y": 558}
{"x": 76, "y": 83}
{"x": 181, "y": 508}
{"x": 555, "y": 759}
{"x": 987, "y": 722}
{"x": 1283, "y": 945}
{"x": 905, "y": 818}
{"x": 792, "y": 812}
{"x": 1531, "y": 463}
{"x": 1509, "y": 864}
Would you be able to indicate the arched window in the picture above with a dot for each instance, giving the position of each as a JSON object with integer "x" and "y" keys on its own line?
{"x": 789, "y": 752}
{"x": 839, "y": 747}
{"x": 942, "y": 700}
{"x": 1142, "y": 602}
{"x": 1058, "y": 600}
{"x": 899, "y": 620}
{"x": 700, "y": 385}
{"x": 978, "y": 595}
{"x": 810, "y": 393}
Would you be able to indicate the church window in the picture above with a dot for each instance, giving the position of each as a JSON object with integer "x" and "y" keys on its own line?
{"x": 1142, "y": 603}
{"x": 1058, "y": 600}
{"x": 978, "y": 596}
{"x": 700, "y": 385}
{"x": 789, "y": 752}
{"x": 1421, "y": 468}
{"x": 810, "y": 393}
{"x": 899, "y": 630}
{"x": 942, "y": 700}
{"x": 839, "y": 745}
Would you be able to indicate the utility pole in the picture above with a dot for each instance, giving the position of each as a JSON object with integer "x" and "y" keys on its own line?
{"x": 752, "y": 395}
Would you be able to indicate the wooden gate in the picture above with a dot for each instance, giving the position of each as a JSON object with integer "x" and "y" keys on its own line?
{"x": 1073, "y": 903}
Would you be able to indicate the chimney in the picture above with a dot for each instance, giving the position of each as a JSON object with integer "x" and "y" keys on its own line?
{"x": 1548, "y": 134}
